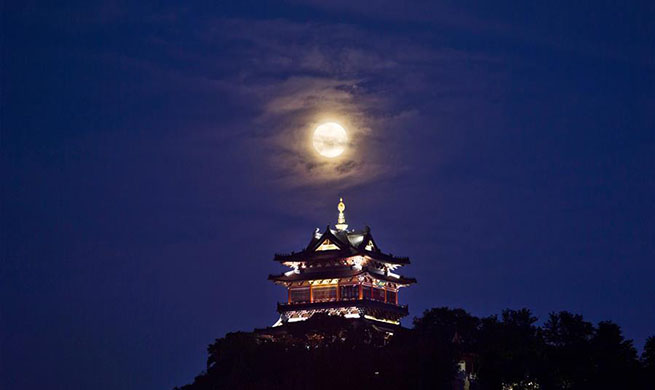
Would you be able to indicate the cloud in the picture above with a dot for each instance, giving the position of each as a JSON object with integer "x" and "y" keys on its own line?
{"x": 296, "y": 75}
{"x": 273, "y": 81}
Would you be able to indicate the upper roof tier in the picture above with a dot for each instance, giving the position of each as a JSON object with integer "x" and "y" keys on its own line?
{"x": 332, "y": 244}
{"x": 340, "y": 243}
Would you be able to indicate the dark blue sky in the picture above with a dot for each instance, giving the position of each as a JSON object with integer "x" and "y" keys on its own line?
{"x": 154, "y": 159}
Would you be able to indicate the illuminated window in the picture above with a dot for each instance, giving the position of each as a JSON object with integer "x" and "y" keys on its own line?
{"x": 299, "y": 295}
{"x": 366, "y": 292}
{"x": 349, "y": 292}
{"x": 378, "y": 294}
{"x": 391, "y": 296}
{"x": 324, "y": 294}
{"x": 369, "y": 246}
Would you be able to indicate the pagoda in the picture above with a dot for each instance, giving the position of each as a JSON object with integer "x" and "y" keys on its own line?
{"x": 342, "y": 272}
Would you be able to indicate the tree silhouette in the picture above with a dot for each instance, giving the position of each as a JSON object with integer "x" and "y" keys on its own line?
{"x": 510, "y": 350}
{"x": 648, "y": 361}
{"x": 501, "y": 352}
{"x": 615, "y": 359}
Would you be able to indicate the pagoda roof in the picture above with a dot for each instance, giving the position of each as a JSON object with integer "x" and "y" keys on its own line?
{"x": 400, "y": 310}
{"x": 342, "y": 243}
{"x": 344, "y": 272}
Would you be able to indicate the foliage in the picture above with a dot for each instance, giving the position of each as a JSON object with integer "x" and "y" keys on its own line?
{"x": 501, "y": 352}
{"x": 648, "y": 360}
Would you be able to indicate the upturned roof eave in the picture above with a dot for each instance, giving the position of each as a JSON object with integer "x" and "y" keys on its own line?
{"x": 283, "y": 278}
{"x": 305, "y": 256}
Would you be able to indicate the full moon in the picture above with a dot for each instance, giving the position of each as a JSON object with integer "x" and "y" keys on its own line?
{"x": 330, "y": 139}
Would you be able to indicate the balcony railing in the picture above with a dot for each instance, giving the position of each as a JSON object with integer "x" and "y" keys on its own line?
{"x": 341, "y": 303}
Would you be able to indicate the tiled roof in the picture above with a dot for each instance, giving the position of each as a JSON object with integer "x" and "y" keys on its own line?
{"x": 339, "y": 272}
{"x": 350, "y": 243}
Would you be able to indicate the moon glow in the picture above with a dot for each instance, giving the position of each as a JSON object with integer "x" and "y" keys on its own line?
{"x": 330, "y": 139}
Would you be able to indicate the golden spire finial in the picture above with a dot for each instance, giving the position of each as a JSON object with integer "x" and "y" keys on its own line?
{"x": 341, "y": 221}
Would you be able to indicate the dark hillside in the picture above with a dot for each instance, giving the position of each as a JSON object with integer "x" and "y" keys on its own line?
{"x": 445, "y": 349}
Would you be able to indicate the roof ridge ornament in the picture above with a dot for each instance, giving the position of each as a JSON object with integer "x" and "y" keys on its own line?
{"x": 341, "y": 221}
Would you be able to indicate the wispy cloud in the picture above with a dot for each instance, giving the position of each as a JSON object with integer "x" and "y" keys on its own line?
{"x": 388, "y": 89}
{"x": 298, "y": 74}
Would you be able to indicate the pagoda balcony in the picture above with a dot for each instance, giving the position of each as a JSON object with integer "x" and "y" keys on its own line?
{"x": 401, "y": 310}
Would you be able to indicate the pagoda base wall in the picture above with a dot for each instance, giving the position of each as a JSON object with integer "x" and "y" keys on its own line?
{"x": 380, "y": 312}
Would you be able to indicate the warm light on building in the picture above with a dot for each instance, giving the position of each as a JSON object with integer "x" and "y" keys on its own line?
{"x": 342, "y": 272}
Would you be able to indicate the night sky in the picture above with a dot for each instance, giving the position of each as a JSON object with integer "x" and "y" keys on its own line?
{"x": 155, "y": 158}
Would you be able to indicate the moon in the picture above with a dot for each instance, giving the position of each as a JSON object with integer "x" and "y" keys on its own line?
{"x": 330, "y": 139}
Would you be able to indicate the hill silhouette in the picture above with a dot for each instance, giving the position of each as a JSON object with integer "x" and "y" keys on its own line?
{"x": 445, "y": 349}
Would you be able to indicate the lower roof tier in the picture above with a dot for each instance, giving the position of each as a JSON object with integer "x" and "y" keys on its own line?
{"x": 339, "y": 273}
{"x": 396, "y": 311}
